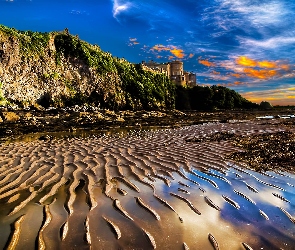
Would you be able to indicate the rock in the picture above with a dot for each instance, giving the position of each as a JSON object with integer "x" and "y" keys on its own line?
{"x": 44, "y": 138}
{"x": 72, "y": 129}
{"x": 120, "y": 119}
{"x": 37, "y": 107}
{"x": 110, "y": 113}
{"x": 28, "y": 116}
{"x": 9, "y": 116}
{"x": 98, "y": 115}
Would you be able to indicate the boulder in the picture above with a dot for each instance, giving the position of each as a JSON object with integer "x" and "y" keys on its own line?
{"x": 10, "y": 116}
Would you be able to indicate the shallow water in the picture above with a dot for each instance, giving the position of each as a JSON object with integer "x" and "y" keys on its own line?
{"x": 76, "y": 182}
{"x": 83, "y": 133}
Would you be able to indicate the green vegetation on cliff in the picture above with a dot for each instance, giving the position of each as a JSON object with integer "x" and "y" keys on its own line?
{"x": 30, "y": 43}
{"x": 141, "y": 88}
{"x": 210, "y": 98}
{"x": 59, "y": 69}
{"x": 72, "y": 71}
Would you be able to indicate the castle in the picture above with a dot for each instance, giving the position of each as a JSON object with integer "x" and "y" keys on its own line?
{"x": 174, "y": 70}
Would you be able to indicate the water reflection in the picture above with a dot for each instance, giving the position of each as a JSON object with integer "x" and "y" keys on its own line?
{"x": 84, "y": 133}
{"x": 82, "y": 180}
{"x": 278, "y": 231}
{"x": 230, "y": 226}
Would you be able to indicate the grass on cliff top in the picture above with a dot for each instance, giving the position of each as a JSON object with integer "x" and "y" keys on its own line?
{"x": 71, "y": 46}
{"x": 35, "y": 43}
{"x": 31, "y": 43}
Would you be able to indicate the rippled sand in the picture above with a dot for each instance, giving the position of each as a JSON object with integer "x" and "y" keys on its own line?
{"x": 142, "y": 191}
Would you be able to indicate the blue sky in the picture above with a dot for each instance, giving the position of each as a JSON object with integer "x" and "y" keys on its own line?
{"x": 246, "y": 45}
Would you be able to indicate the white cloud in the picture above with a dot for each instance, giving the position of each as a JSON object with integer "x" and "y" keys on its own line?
{"x": 119, "y": 7}
{"x": 257, "y": 12}
{"x": 272, "y": 43}
{"x": 263, "y": 17}
{"x": 157, "y": 15}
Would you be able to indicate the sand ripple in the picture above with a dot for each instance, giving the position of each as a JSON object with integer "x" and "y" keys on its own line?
{"x": 144, "y": 190}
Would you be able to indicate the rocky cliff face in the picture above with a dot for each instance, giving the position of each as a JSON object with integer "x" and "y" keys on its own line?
{"x": 58, "y": 69}
{"x": 36, "y": 77}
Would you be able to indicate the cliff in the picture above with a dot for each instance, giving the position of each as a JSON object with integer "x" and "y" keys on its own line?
{"x": 58, "y": 69}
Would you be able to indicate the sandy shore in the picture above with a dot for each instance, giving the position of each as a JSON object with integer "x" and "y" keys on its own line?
{"x": 146, "y": 190}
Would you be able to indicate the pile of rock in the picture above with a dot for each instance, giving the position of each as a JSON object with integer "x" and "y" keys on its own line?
{"x": 266, "y": 151}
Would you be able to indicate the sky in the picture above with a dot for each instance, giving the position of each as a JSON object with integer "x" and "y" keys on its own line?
{"x": 245, "y": 45}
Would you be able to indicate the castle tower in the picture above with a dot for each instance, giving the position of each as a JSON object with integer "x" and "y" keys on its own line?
{"x": 176, "y": 73}
{"x": 190, "y": 79}
{"x": 176, "y": 68}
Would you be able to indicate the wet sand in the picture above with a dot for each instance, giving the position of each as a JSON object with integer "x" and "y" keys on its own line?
{"x": 144, "y": 190}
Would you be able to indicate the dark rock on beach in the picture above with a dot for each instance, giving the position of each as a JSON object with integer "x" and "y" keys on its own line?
{"x": 266, "y": 151}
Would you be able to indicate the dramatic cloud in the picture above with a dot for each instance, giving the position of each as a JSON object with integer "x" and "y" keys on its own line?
{"x": 245, "y": 67}
{"x": 243, "y": 44}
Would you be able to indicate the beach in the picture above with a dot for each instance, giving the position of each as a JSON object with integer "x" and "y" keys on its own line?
{"x": 167, "y": 188}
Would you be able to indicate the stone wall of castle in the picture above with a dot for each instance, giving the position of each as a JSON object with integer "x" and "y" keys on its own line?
{"x": 174, "y": 70}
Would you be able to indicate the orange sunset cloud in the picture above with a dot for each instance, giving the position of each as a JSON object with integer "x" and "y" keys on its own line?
{"x": 266, "y": 64}
{"x": 245, "y": 61}
{"x": 236, "y": 75}
{"x": 206, "y": 63}
{"x": 179, "y": 53}
{"x": 261, "y": 74}
{"x": 160, "y": 48}
{"x": 248, "y": 62}
{"x": 285, "y": 67}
